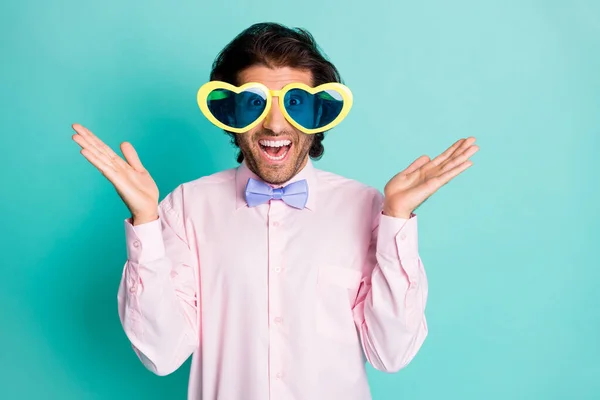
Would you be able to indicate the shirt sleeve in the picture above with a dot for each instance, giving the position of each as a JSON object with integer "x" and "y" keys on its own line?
{"x": 390, "y": 308}
{"x": 157, "y": 297}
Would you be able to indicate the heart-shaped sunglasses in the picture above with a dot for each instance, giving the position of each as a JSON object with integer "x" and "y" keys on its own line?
{"x": 239, "y": 109}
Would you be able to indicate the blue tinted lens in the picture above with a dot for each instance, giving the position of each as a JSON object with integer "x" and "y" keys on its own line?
{"x": 237, "y": 110}
{"x": 313, "y": 111}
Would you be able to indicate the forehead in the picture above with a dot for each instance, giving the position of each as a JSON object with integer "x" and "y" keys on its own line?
{"x": 274, "y": 78}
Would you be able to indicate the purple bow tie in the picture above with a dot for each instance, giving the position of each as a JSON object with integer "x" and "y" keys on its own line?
{"x": 295, "y": 194}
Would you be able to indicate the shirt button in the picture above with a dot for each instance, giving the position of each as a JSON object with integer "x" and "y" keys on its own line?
{"x": 133, "y": 289}
{"x": 403, "y": 236}
{"x": 136, "y": 244}
{"x": 275, "y": 224}
{"x": 278, "y": 320}
{"x": 278, "y": 270}
{"x": 279, "y": 375}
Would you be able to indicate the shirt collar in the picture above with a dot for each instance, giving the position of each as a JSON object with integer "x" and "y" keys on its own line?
{"x": 243, "y": 173}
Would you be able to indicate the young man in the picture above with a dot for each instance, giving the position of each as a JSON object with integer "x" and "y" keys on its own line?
{"x": 281, "y": 279}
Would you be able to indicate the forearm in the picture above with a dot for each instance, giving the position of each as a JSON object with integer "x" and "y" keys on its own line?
{"x": 391, "y": 313}
{"x": 157, "y": 300}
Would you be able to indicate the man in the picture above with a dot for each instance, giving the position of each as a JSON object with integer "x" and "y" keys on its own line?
{"x": 281, "y": 279}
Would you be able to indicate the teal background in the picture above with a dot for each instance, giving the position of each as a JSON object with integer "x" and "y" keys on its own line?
{"x": 509, "y": 246}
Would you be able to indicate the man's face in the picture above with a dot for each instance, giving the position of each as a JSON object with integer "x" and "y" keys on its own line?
{"x": 274, "y": 150}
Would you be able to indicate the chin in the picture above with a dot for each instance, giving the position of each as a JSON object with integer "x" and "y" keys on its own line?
{"x": 275, "y": 174}
{"x": 276, "y": 177}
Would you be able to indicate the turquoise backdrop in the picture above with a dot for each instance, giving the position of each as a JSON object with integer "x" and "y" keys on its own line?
{"x": 509, "y": 247}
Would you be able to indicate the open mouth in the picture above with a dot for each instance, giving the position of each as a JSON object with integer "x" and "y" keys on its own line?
{"x": 275, "y": 150}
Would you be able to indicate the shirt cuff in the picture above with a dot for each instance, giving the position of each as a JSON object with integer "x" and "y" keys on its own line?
{"x": 144, "y": 242}
{"x": 397, "y": 238}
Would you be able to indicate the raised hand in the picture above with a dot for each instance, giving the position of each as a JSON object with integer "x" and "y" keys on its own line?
{"x": 132, "y": 181}
{"x": 410, "y": 188}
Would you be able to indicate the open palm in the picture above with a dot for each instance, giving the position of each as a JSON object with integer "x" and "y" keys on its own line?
{"x": 132, "y": 181}
{"x": 411, "y": 187}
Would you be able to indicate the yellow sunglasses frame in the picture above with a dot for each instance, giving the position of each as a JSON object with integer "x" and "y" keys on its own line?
{"x": 207, "y": 88}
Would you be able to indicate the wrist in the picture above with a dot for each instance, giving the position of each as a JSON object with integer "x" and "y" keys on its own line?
{"x": 143, "y": 219}
{"x": 390, "y": 212}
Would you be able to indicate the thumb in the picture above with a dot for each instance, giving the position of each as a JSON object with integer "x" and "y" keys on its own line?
{"x": 132, "y": 157}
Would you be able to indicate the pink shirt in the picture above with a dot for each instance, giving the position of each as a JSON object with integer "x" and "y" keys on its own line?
{"x": 272, "y": 301}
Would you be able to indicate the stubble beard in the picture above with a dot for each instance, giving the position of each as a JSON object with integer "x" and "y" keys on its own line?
{"x": 274, "y": 175}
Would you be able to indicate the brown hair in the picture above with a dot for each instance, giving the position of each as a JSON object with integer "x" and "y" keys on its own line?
{"x": 275, "y": 45}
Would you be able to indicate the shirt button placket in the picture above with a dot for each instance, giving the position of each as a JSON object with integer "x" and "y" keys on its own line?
{"x": 276, "y": 318}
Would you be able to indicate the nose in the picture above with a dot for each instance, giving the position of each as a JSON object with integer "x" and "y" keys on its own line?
{"x": 275, "y": 121}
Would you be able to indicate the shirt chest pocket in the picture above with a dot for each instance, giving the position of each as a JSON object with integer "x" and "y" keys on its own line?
{"x": 336, "y": 290}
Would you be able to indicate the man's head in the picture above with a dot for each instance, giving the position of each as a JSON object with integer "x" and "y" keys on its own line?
{"x": 275, "y": 56}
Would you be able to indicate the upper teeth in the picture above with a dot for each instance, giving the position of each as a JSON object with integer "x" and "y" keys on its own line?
{"x": 275, "y": 143}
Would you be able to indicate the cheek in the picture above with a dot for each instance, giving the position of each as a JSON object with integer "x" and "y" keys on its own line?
{"x": 244, "y": 140}
{"x": 306, "y": 141}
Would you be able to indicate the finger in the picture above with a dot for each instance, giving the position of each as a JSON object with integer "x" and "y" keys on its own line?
{"x": 465, "y": 146}
{"x": 85, "y": 144}
{"x": 418, "y": 163}
{"x": 447, "y": 153}
{"x": 106, "y": 169}
{"x": 459, "y": 159}
{"x": 451, "y": 174}
{"x": 88, "y": 135}
{"x": 132, "y": 157}
{"x": 99, "y": 144}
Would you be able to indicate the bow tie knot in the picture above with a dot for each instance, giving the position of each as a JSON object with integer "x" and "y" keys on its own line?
{"x": 295, "y": 194}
